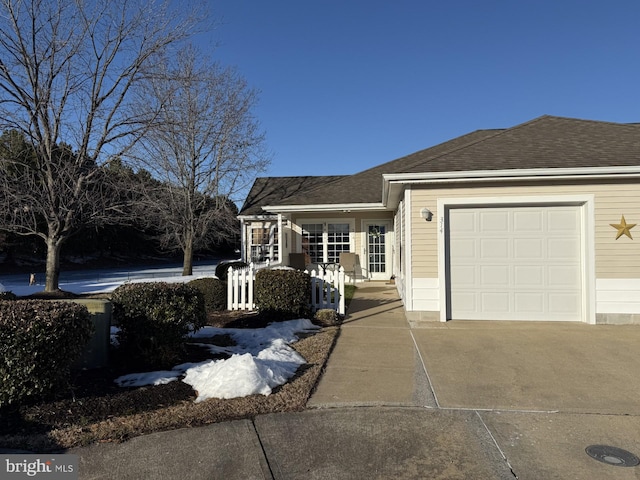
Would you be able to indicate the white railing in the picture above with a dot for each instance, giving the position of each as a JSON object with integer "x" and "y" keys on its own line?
{"x": 327, "y": 289}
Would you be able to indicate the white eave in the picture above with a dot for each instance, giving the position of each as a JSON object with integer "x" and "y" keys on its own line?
{"x": 265, "y": 216}
{"x": 393, "y": 183}
{"x": 334, "y": 207}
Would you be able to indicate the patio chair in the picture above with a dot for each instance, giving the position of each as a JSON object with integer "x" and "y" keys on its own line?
{"x": 299, "y": 261}
{"x": 349, "y": 261}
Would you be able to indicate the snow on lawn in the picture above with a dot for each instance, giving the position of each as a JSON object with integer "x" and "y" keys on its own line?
{"x": 260, "y": 361}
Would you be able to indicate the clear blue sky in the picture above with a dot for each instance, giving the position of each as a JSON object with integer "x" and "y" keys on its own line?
{"x": 349, "y": 84}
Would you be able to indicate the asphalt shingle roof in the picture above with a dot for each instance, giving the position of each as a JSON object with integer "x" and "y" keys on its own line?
{"x": 276, "y": 190}
{"x": 543, "y": 143}
{"x": 366, "y": 186}
{"x": 546, "y": 142}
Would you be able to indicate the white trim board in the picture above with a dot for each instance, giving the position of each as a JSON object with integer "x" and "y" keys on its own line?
{"x": 426, "y": 295}
{"x": 618, "y": 295}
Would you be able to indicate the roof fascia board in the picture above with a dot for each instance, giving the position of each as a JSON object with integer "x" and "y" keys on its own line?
{"x": 531, "y": 173}
{"x": 266, "y": 216}
{"x": 345, "y": 207}
{"x": 394, "y": 181}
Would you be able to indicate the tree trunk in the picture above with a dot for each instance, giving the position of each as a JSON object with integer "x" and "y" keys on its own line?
{"x": 187, "y": 259}
{"x": 53, "y": 264}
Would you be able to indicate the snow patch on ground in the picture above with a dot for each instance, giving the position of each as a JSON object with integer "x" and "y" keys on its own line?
{"x": 260, "y": 361}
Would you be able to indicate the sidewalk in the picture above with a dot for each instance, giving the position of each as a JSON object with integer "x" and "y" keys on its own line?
{"x": 375, "y": 361}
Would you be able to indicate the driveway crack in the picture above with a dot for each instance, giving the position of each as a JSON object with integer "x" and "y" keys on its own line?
{"x": 264, "y": 452}
{"x": 495, "y": 442}
{"x": 424, "y": 369}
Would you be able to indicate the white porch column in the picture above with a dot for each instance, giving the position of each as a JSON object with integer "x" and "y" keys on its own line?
{"x": 243, "y": 241}
{"x": 280, "y": 243}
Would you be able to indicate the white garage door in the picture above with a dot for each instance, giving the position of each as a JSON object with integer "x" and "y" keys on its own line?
{"x": 515, "y": 263}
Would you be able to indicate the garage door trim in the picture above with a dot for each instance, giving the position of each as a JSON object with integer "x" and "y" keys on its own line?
{"x": 586, "y": 208}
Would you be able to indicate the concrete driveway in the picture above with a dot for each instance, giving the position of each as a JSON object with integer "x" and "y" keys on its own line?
{"x": 545, "y": 391}
{"x": 455, "y": 400}
{"x": 543, "y": 366}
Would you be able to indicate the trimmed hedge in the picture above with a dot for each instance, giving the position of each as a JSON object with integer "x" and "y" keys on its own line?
{"x": 39, "y": 341}
{"x": 223, "y": 267}
{"x": 154, "y": 319}
{"x": 283, "y": 294}
{"x": 214, "y": 292}
{"x": 8, "y": 296}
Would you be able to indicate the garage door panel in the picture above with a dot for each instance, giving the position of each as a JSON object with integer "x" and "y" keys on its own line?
{"x": 528, "y": 221}
{"x": 530, "y": 302}
{"x": 565, "y": 248}
{"x": 564, "y": 302}
{"x": 528, "y": 248}
{"x": 564, "y": 275}
{"x": 463, "y": 222}
{"x": 563, "y": 220}
{"x": 464, "y": 276}
{"x": 493, "y": 247}
{"x": 465, "y": 300}
{"x": 493, "y": 221}
{"x": 463, "y": 248}
{"x": 529, "y": 276}
{"x": 495, "y": 275}
{"x": 516, "y": 263}
{"x": 495, "y": 301}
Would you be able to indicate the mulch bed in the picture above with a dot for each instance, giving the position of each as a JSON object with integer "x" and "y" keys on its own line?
{"x": 95, "y": 409}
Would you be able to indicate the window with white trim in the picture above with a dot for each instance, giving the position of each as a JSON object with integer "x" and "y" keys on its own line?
{"x": 264, "y": 243}
{"x": 337, "y": 241}
{"x": 324, "y": 242}
{"x": 312, "y": 241}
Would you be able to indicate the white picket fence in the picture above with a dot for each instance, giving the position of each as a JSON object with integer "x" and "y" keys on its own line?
{"x": 327, "y": 289}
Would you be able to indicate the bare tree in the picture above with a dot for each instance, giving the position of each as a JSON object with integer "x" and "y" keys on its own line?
{"x": 206, "y": 148}
{"x": 70, "y": 74}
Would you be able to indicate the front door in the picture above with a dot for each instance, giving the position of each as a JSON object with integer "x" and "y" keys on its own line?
{"x": 377, "y": 253}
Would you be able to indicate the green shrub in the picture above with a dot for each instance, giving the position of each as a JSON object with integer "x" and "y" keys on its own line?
{"x": 223, "y": 267}
{"x": 154, "y": 319}
{"x": 39, "y": 341}
{"x": 8, "y": 296}
{"x": 326, "y": 317}
{"x": 214, "y": 292}
{"x": 283, "y": 294}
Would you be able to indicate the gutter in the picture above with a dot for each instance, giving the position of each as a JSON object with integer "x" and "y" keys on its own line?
{"x": 591, "y": 173}
{"x": 345, "y": 207}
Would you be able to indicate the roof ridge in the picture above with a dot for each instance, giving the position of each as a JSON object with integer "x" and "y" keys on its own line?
{"x": 589, "y": 120}
{"x": 499, "y": 132}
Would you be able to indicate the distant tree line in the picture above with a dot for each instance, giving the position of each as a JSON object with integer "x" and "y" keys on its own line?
{"x": 133, "y": 235}
{"x": 115, "y": 127}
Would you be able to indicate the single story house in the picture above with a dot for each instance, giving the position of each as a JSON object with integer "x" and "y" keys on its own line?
{"x": 532, "y": 222}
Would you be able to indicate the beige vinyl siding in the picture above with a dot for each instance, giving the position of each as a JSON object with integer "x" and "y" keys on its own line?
{"x": 614, "y": 258}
